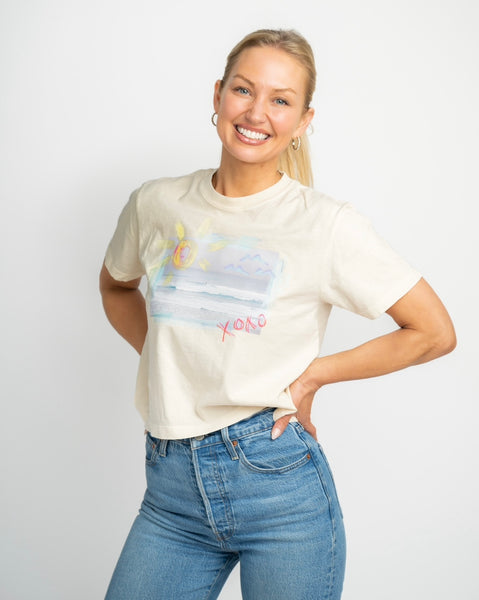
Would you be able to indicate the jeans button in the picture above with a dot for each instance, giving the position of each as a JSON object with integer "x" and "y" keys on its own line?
{"x": 199, "y": 437}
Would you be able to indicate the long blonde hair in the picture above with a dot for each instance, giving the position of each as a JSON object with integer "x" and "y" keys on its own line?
{"x": 295, "y": 163}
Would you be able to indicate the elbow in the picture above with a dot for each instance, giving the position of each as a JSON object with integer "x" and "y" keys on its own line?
{"x": 434, "y": 342}
{"x": 444, "y": 341}
{"x": 450, "y": 343}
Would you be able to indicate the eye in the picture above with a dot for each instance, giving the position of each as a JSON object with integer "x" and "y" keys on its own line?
{"x": 281, "y": 102}
{"x": 241, "y": 90}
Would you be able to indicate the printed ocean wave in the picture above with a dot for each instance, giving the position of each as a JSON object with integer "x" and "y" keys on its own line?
{"x": 227, "y": 306}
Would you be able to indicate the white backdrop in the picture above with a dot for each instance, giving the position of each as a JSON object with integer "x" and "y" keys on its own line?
{"x": 99, "y": 96}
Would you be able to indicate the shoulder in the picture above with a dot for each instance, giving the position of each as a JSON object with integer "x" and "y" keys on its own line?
{"x": 319, "y": 206}
{"x": 329, "y": 219}
{"x": 166, "y": 189}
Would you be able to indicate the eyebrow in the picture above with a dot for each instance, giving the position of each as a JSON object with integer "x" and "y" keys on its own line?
{"x": 249, "y": 82}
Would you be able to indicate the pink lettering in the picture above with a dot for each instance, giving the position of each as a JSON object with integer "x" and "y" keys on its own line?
{"x": 239, "y": 324}
{"x": 249, "y": 324}
{"x": 262, "y": 320}
{"x": 225, "y": 330}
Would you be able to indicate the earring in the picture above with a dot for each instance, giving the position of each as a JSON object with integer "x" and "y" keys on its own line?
{"x": 213, "y": 118}
{"x": 296, "y": 143}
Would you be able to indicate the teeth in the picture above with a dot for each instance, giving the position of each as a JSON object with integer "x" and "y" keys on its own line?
{"x": 252, "y": 135}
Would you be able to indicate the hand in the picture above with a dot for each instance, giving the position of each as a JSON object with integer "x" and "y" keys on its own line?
{"x": 303, "y": 396}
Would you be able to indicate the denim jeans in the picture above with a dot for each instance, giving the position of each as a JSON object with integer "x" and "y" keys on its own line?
{"x": 235, "y": 495}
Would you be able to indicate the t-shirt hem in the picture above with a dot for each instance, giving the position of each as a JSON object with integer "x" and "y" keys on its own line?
{"x": 396, "y": 293}
{"x": 116, "y": 274}
{"x": 181, "y": 432}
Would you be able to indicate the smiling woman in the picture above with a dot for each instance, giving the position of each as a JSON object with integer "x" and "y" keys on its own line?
{"x": 261, "y": 108}
{"x": 243, "y": 264}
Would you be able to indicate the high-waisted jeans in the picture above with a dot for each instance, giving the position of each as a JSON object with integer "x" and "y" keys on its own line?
{"x": 235, "y": 495}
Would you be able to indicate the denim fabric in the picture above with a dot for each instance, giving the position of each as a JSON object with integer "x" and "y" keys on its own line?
{"x": 235, "y": 495}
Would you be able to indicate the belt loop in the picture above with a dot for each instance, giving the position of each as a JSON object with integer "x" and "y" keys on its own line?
{"x": 229, "y": 444}
{"x": 162, "y": 448}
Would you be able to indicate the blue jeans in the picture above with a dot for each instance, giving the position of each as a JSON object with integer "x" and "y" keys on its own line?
{"x": 235, "y": 495}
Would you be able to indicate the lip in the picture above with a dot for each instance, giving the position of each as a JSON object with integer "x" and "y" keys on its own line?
{"x": 248, "y": 140}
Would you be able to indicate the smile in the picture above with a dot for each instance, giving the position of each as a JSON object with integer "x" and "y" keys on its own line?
{"x": 252, "y": 135}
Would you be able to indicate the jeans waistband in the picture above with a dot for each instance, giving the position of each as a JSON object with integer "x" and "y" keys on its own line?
{"x": 260, "y": 421}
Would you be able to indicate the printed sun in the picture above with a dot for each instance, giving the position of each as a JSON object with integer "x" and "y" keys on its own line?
{"x": 183, "y": 252}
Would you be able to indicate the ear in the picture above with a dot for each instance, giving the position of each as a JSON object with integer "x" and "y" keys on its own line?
{"x": 304, "y": 122}
{"x": 217, "y": 95}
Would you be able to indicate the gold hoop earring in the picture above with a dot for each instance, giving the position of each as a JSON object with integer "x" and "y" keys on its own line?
{"x": 296, "y": 143}
{"x": 213, "y": 118}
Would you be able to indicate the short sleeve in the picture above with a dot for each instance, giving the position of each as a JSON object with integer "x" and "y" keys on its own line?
{"x": 366, "y": 275}
{"x": 122, "y": 256}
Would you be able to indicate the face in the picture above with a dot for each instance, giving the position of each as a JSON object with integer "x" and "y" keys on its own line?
{"x": 261, "y": 106}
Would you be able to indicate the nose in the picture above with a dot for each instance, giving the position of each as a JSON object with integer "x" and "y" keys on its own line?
{"x": 257, "y": 111}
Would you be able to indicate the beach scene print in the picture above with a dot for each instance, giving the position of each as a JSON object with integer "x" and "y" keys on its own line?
{"x": 214, "y": 281}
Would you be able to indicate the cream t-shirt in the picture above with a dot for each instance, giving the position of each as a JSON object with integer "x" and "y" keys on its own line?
{"x": 239, "y": 293}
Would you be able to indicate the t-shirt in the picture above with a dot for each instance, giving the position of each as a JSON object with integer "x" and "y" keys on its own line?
{"x": 239, "y": 293}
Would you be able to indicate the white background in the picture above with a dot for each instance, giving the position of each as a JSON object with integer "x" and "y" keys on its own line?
{"x": 97, "y": 97}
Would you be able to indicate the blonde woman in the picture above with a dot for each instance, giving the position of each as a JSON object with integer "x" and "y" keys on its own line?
{"x": 243, "y": 264}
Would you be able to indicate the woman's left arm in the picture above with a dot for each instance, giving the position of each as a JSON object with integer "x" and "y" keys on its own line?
{"x": 425, "y": 332}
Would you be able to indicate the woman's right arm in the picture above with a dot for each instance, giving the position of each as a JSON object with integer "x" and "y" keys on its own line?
{"x": 125, "y": 308}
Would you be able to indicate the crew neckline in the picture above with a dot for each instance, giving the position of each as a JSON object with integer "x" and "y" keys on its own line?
{"x": 240, "y": 203}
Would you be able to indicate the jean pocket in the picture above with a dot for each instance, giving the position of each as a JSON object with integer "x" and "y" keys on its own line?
{"x": 151, "y": 449}
{"x": 259, "y": 453}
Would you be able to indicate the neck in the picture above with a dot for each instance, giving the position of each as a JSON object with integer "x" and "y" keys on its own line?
{"x": 244, "y": 179}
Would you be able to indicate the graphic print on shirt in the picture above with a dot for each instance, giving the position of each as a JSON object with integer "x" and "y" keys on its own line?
{"x": 214, "y": 281}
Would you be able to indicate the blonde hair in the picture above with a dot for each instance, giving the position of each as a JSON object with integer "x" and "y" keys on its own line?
{"x": 295, "y": 163}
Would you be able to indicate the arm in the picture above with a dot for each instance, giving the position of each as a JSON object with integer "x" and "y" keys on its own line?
{"x": 425, "y": 332}
{"x": 124, "y": 306}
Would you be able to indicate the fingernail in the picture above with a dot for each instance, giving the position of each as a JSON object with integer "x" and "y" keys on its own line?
{"x": 275, "y": 433}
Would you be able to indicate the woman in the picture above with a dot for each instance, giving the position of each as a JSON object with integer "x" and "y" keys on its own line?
{"x": 243, "y": 265}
